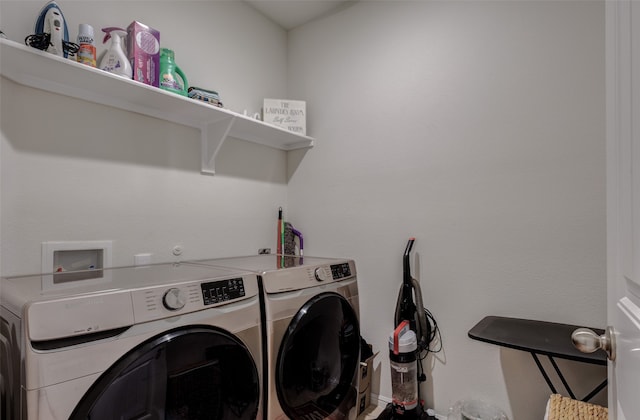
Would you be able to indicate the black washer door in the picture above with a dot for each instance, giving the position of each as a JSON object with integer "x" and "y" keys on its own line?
{"x": 190, "y": 373}
{"x": 318, "y": 359}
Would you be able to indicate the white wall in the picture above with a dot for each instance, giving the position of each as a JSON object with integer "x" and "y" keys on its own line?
{"x": 479, "y": 128}
{"x": 73, "y": 170}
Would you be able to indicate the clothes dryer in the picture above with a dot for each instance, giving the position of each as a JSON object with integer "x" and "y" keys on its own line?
{"x": 166, "y": 341}
{"x": 312, "y": 334}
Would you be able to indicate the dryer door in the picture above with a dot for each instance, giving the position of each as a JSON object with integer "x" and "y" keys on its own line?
{"x": 188, "y": 373}
{"x": 316, "y": 370}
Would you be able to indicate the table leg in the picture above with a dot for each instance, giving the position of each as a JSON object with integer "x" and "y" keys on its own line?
{"x": 595, "y": 391}
{"x": 546, "y": 377}
{"x": 564, "y": 381}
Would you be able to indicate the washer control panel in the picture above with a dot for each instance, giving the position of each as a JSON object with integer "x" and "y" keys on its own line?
{"x": 222, "y": 290}
{"x": 321, "y": 274}
{"x": 340, "y": 271}
{"x": 175, "y": 299}
{"x": 332, "y": 272}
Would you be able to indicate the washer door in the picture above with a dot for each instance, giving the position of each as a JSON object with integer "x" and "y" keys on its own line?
{"x": 189, "y": 373}
{"x": 318, "y": 360}
{"x": 9, "y": 367}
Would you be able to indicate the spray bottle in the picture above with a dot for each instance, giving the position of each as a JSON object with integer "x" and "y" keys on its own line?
{"x": 114, "y": 59}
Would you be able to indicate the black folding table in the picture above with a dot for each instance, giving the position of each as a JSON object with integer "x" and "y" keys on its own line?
{"x": 539, "y": 338}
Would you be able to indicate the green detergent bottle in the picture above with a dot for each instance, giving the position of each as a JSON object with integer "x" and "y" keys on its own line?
{"x": 171, "y": 77}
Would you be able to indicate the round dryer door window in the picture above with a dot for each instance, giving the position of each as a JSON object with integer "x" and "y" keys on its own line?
{"x": 192, "y": 373}
{"x": 318, "y": 359}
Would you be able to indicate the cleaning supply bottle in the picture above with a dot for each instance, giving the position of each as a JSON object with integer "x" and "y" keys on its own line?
{"x": 87, "y": 46}
{"x": 171, "y": 77}
{"x": 114, "y": 59}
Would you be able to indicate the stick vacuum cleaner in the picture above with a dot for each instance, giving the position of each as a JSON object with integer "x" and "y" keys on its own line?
{"x": 411, "y": 336}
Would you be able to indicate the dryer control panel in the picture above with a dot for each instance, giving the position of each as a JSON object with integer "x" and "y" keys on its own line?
{"x": 305, "y": 276}
{"x": 222, "y": 290}
{"x": 340, "y": 271}
{"x": 180, "y": 298}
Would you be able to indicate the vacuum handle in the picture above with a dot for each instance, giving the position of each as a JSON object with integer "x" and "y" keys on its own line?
{"x": 406, "y": 264}
{"x": 400, "y": 329}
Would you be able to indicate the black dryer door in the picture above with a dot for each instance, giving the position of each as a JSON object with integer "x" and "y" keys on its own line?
{"x": 192, "y": 373}
{"x": 318, "y": 360}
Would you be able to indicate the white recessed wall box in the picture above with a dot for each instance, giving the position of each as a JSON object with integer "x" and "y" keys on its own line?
{"x": 70, "y": 261}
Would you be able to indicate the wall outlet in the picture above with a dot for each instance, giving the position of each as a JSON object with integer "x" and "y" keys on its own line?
{"x": 142, "y": 259}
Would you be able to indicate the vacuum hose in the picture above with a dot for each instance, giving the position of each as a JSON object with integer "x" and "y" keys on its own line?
{"x": 423, "y": 329}
{"x": 409, "y": 306}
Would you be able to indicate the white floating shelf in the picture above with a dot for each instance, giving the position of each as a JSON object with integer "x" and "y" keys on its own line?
{"x": 31, "y": 67}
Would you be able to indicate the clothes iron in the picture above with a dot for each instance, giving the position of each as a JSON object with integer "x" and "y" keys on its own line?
{"x": 51, "y": 21}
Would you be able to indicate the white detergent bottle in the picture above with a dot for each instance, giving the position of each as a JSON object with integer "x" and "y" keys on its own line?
{"x": 114, "y": 59}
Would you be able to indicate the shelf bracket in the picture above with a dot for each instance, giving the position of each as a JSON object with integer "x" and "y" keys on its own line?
{"x": 213, "y": 136}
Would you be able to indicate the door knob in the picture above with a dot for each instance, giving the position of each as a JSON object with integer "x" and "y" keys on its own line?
{"x": 588, "y": 341}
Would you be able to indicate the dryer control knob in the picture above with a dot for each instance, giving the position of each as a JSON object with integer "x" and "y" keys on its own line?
{"x": 320, "y": 274}
{"x": 174, "y": 299}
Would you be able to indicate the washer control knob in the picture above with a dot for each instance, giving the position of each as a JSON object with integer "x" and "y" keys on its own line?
{"x": 174, "y": 299}
{"x": 320, "y": 274}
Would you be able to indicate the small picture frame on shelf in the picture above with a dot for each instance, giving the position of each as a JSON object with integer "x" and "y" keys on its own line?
{"x": 288, "y": 114}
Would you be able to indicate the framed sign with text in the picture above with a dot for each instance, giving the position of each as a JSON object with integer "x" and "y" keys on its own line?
{"x": 285, "y": 113}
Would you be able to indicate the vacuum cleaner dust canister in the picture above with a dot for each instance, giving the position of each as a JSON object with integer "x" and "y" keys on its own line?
{"x": 404, "y": 378}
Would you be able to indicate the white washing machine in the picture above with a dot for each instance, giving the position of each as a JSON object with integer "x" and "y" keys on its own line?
{"x": 312, "y": 334}
{"x": 166, "y": 341}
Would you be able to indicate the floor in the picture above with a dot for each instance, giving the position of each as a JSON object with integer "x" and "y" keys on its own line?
{"x": 372, "y": 412}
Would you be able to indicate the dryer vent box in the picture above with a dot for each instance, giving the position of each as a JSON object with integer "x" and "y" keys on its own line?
{"x": 75, "y": 260}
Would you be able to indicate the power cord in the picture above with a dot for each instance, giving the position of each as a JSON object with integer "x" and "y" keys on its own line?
{"x": 39, "y": 41}
{"x": 43, "y": 41}
{"x": 433, "y": 332}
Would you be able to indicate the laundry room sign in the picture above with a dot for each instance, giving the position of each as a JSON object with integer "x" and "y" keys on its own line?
{"x": 288, "y": 114}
